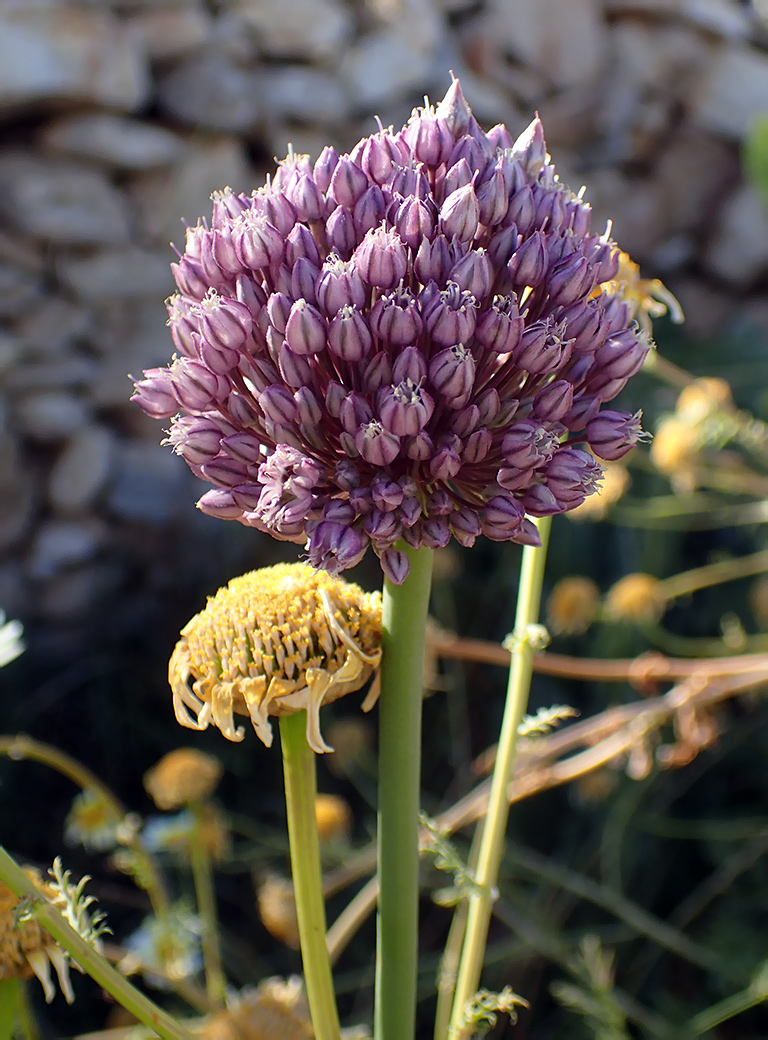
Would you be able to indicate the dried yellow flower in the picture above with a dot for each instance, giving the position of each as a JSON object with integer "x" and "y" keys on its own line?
{"x": 702, "y": 398}
{"x": 334, "y": 817}
{"x": 647, "y": 297}
{"x": 275, "y": 1010}
{"x": 181, "y": 777}
{"x": 675, "y": 446}
{"x": 277, "y": 908}
{"x": 273, "y": 642}
{"x": 572, "y": 605}
{"x": 636, "y": 597}
{"x": 26, "y": 949}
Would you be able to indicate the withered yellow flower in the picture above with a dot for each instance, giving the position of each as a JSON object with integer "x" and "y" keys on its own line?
{"x": 26, "y": 949}
{"x": 273, "y": 642}
{"x": 277, "y": 908}
{"x": 334, "y": 817}
{"x": 647, "y": 298}
{"x": 275, "y": 1010}
{"x": 572, "y": 605}
{"x": 183, "y": 776}
{"x": 636, "y": 597}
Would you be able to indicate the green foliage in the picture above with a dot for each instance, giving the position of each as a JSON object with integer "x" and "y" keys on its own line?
{"x": 481, "y": 1014}
{"x": 545, "y": 720}
{"x": 756, "y": 156}
{"x": 75, "y": 906}
{"x": 592, "y": 994}
{"x": 447, "y": 858}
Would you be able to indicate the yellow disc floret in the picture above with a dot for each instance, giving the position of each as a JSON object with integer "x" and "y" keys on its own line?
{"x": 273, "y": 642}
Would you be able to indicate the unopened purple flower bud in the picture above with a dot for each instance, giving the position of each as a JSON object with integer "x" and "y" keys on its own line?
{"x": 553, "y": 401}
{"x": 190, "y": 278}
{"x": 303, "y": 279}
{"x": 378, "y": 372}
{"x": 433, "y": 261}
{"x": 334, "y": 398}
{"x": 493, "y": 199}
{"x": 460, "y": 214}
{"x": 585, "y": 407}
{"x": 223, "y": 252}
{"x": 306, "y": 329}
{"x": 439, "y": 503}
{"x": 450, "y": 315}
{"x": 572, "y": 279}
{"x": 227, "y": 206}
{"x": 346, "y": 475}
{"x": 278, "y": 405}
{"x": 477, "y": 446}
{"x": 458, "y": 175}
{"x": 396, "y": 565}
{"x": 489, "y": 404}
{"x": 582, "y": 320}
{"x": 354, "y": 412}
{"x": 386, "y": 494}
{"x": 243, "y": 447}
{"x": 224, "y": 322}
{"x": 384, "y": 529}
{"x": 257, "y": 243}
{"x": 294, "y": 368}
{"x": 410, "y": 364}
{"x": 348, "y": 182}
{"x": 409, "y": 181}
{"x": 341, "y": 231}
{"x": 196, "y": 387}
{"x": 409, "y": 511}
{"x": 445, "y": 463}
{"x": 502, "y": 516}
{"x": 225, "y": 471}
{"x": 463, "y": 422}
{"x": 379, "y": 154}
{"x": 452, "y": 372}
{"x": 326, "y": 163}
{"x": 277, "y": 209}
{"x": 530, "y": 149}
{"x": 196, "y": 438}
{"x": 336, "y": 547}
{"x": 420, "y": 448}
{"x": 405, "y": 409}
{"x": 154, "y": 394}
{"x": 307, "y": 198}
{"x": 606, "y": 262}
{"x": 247, "y": 496}
{"x": 621, "y": 356}
{"x": 377, "y": 445}
{"x": 219, "y": 503}
{"x": 611, "y": 434}
{"x": 500, "y": 327}
{"x": 381, "y": 258}
{"x": 465, "y": 525}
{"x": 370, "y": 209}
{"x": 435, "y": 533}
{"x": 348, "y": 335}
{"x": 395, "y": 318}
{"x": 429, "y": 138}
{"x": 542, "y": 348}
{"x": 521, "y": 210}
{"x": 473, "y": 273}
{"x": 528, "y": 264}
{"x": 528, "y": 444}
{"x": 454, "y": 110}
{"x": 415, "y": 221}
{"x": 339, "y": 285}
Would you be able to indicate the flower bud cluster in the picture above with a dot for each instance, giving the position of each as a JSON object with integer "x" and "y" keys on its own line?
{"x": 402, "y": 344}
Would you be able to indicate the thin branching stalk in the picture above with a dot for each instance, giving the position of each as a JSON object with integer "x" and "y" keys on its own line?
{"x": 404, "y": 626}
{"x": 205, "y": 894}
{"x": 86, "y": 956}
{"x": 495, "y": 823}
{"x": 300, "y": 791}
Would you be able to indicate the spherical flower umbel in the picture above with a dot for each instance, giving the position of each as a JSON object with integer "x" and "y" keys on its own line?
{"x": 273, "y": 642}
{"x": 399, "y": 344}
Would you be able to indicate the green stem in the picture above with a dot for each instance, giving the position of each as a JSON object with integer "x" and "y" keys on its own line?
{"x": 495, "y": 823}
{"x": 202, "y": 873}
{"x": 10, "y": 993}
{"x": 714, "y": 1016}
{"x": 300, "y": 791}
{"x": 404, "y": 627}
{"x": 86, "y": 956}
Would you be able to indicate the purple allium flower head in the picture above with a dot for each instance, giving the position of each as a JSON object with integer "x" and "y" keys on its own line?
{"x": 406, "y": 342}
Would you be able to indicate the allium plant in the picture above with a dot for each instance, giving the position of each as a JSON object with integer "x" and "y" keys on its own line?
{"x": 406, "y": 343}
{"x": 392, "y": 348}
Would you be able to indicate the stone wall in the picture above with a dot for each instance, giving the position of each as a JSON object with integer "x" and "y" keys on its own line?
{"x": 118, "y": 119}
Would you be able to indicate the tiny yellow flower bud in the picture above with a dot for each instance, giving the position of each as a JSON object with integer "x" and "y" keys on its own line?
{"x": 572, "y": 605}
{"x": 334, "y": 817}
{"x": 274, "y": 642}
{"x": 181, "y": 777}
{"x": 277, "y": 909}
{"x": 636, "y": 597}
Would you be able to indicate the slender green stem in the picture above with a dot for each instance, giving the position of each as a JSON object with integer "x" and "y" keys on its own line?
{"x": 404, "y": 623}
{"x": 202, "y": 873}
{"x": 495, "y": 823}
{"x": 86, "y": 956}
{"x": 714, "y": 1016}
{"x": 10, "y": 993}
{"x": 300, "y": 791}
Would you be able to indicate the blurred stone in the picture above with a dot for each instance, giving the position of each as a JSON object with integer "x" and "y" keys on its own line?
{"x": 81, "y": 471}
{"x": 11, "y": 351}
{"x": 733, "y": 92}
{"x": 78, "y": 591}
{"x": 303, "y": 93}
{"x": 18, "y": 291}
{"x": 162, "y": 199}
{"x": 53, "y": 374}
{"x": 738, "y": 251}
{"x": 566, "y": 42}
{"x": 60, "y": 202}
{"x": 309, "y": 29}
{"x": 129, "y": 345}
{"x": 633, "y": 205}
{"x": 51, "y": 326}
{"x": 692, "y": 173}
{"x": 124, "y": 144}
{"x": 149, "y": 486}
{"x": 172, "y": 31}
{"x": 384, "y": 65}
{"x": 706, "y": 307}
{"x": 50, "y": 416}
{"x": 719, "y": 17}
{"x": 117, "y": 274}
{"x": 17, "y": 496}
{"x": 61, "y": 543}
{"x": 68, "y": 54}
{"x": 212, "y": 92}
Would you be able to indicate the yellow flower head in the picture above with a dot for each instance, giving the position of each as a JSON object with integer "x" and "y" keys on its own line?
{"x": 334, "y": 817}
{"x": 273, "y": 642}
{"x": 92, "y": 822}
{"x": 647, "y": 298}
{"x": 26, "y": 949}
{"x": 181, "y": 777}
{"x": 277, "y": 908}
{"x": 572, "y": 605}
{"x": 275, "y": 1010}
{"x": 636, "y": 597}
{"x": 675, "y": 446}
{"x": 703, "y": 398}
